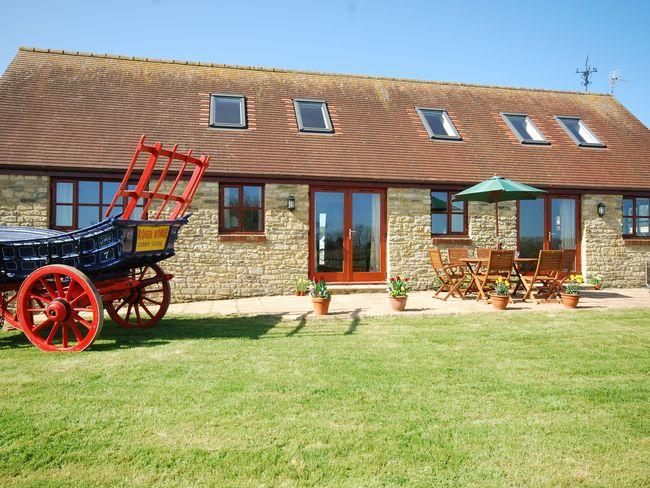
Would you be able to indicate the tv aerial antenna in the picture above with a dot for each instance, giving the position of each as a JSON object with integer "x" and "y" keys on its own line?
{"x": 586, "y": 74}
{"x": 614, "y": 78}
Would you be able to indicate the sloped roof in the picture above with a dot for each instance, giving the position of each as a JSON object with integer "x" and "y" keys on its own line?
{"x": 86, "y": 111}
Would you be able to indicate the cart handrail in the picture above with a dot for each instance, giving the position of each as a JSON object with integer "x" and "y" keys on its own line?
{"x": 141, "y": 192}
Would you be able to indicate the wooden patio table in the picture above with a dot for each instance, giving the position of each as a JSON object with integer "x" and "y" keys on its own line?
{"x": 474, "y": 266}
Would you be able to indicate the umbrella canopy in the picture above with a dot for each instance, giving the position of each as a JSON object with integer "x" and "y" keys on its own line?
{"x": 495, "y": 190}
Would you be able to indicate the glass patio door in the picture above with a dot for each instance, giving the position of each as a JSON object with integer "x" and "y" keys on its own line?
{"x": 347, "y": 230}
{"x": 550, "y": 222}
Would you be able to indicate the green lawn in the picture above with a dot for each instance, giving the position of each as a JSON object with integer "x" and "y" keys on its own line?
{"x": 538, "y": 399}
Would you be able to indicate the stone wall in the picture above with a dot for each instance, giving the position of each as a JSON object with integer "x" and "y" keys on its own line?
{"x": 24, "y": 200}
{"x": 409, "y": 235}
{"x": 604, "y": 251}
{"x": 209, "y": 266}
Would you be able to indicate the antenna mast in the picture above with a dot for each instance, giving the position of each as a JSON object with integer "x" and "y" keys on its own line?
{"x": 614, "y": 78}
{"x": 586, "y": 74}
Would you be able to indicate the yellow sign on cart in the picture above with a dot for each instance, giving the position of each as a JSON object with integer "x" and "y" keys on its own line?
{"x": 151, "y": 238}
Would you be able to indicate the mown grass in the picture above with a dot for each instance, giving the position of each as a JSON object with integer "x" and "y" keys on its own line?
{"x": 515, "y": 399}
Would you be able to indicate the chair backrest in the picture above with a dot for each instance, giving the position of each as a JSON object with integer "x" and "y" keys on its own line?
{"x": 549, "y": 261}
{"x": 501, "y": 262}
{"x": 436, "y": 258}
{"x": 483, "y": 252}
{"x": 455, "y": 254}
{"x": 568, "y": 260}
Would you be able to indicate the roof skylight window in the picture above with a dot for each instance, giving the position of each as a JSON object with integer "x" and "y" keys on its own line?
{"x": 312, "y": 116}
{"x": 578, "y": 131}
{"x": 227, "y": 111}
{"x": 437, "y": 123}
{"x": 524, "y": 128}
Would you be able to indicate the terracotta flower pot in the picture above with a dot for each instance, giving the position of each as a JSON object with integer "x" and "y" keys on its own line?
{"x": 321, "y": 305}
{"x": 570, "y": 301}
{"x": 298, "y": 293}
{"x": 597, "y": 287}
{"x": 499, "y": 302}
{"x": 398, "y": 303}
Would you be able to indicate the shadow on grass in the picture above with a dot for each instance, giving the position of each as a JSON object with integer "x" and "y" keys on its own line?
{"x": 171, "y": 329}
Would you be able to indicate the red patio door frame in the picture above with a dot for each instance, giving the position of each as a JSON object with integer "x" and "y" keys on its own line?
{"x": 348, "y": 275}
{"x": 548, "y": 202}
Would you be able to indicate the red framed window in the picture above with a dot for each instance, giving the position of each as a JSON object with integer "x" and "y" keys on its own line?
{"x": 79, "y": 203}
{"x": 241, "y": 208}
{"x": 636, "y": 216}
{"x": 447, "y": 217}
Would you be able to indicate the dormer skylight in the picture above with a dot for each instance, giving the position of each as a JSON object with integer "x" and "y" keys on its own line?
{"x": 312, "y": 116}
{"x": 227, "y": 111}
{"x": 578, "y": 131}
{"x": 437, "y": 123}
{"x": 524, "y": 128}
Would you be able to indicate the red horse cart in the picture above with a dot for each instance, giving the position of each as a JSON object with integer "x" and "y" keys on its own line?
{"x": 55, "y": 286}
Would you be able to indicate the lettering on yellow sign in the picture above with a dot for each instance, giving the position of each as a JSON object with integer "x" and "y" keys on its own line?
{"x": 151, "y": 238}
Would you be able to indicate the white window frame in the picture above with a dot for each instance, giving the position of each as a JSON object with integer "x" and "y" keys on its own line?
{"x": 455, "y": 136}
{"x": 242, "y": 111}
{"x": 326, "y": 116}
{"x": 584, "y": 126}
{"x": 514, "y": 130}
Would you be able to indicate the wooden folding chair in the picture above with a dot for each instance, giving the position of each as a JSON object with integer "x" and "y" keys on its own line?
{"x": 545, "y": 275}
{"x": 500, "y": 264}
{"x": 454, "y": 256}
{"x": 483, "y": 252}
{"x": 450, "y": 278}
{"x": 567, "y": 266}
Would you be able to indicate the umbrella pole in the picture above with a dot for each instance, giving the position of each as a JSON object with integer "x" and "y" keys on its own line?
{"x": 496, "y": 213}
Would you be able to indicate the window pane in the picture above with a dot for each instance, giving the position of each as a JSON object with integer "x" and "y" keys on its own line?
{"x": 63, "y": 216}
{"x": 64, "y": 192}
{"x": 438, "y": 223}
{"x": 457, "y": 206}
{"x": 109, "y": 188}
{"x": 230, "y": 218}
{"x": 524, "y": 126}
{"x": 230, "y": 197}
{"x": 628, "y": 206}
{"x": 438, "y": 201}
{"x": 252, "y": 196}
{"x": 312, "y": 115}
{"x": 579, "y": 130}
{"x": 252, "y": 221}
{"x": 457, "y": 223}
{"x": 627, "y": 226}
{"x": 573, "y": 126}
{"x": 439, "y": 123}
{"x": 643, "y": 227}
{"x": 227, "y": 111}
{"x": 643, "y": 207}
{"x": 87, "y": 215}
{"x": 116, "y": 210}
{"x": 89, "y": 192}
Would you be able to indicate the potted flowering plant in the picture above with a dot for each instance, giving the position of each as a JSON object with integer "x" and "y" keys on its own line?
{"x": 571, "y": 294}
{"x": 302, "y": 286}
{"x": 500, "y": 295}
{"x": 597, "y": 281}
{"x": 398, "y": 288}
{"x": 320, "y": 296}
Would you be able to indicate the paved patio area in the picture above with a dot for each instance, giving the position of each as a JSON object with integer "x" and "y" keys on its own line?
{"x": 419, "y": 303}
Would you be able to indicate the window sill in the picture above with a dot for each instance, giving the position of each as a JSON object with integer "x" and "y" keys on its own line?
{"x": 451, "y": 240}
{"x": 242, "y": 237}
{"x": 636, "y": 241}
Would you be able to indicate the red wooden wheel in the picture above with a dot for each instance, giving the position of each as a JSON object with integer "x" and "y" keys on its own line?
{"x": 146, "y": 304}
{"x": 59, "y": 309}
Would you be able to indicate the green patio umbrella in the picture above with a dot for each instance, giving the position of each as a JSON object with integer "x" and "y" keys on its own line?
{"x": 495, "y": 190}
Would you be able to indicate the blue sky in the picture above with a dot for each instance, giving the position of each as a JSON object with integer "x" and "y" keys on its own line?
{"x": 514, "y": 43}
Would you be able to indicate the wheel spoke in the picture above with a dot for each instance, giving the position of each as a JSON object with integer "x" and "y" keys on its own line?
{"x": 77, "y": 298}
{"x": 52, "y": 333}
{"x": 58, "y": 284}
{"x": 82, "y": 321}
{"x": 70, "y": 288}
{"x": 146, "y": 309}
{"x": 152, "y": 301}
{"x": 117, "y": 309}
{"x": 75, "y": 331}
{"x": 43, "y": 324}
{"x": 147, "y": 292}
{"x": 47, "y": 287}
{"x": 40, "y": 299}
{"x": 128, "y": 312}
{"x": 137, "y": 313}
{"x": 64, "y": 335}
